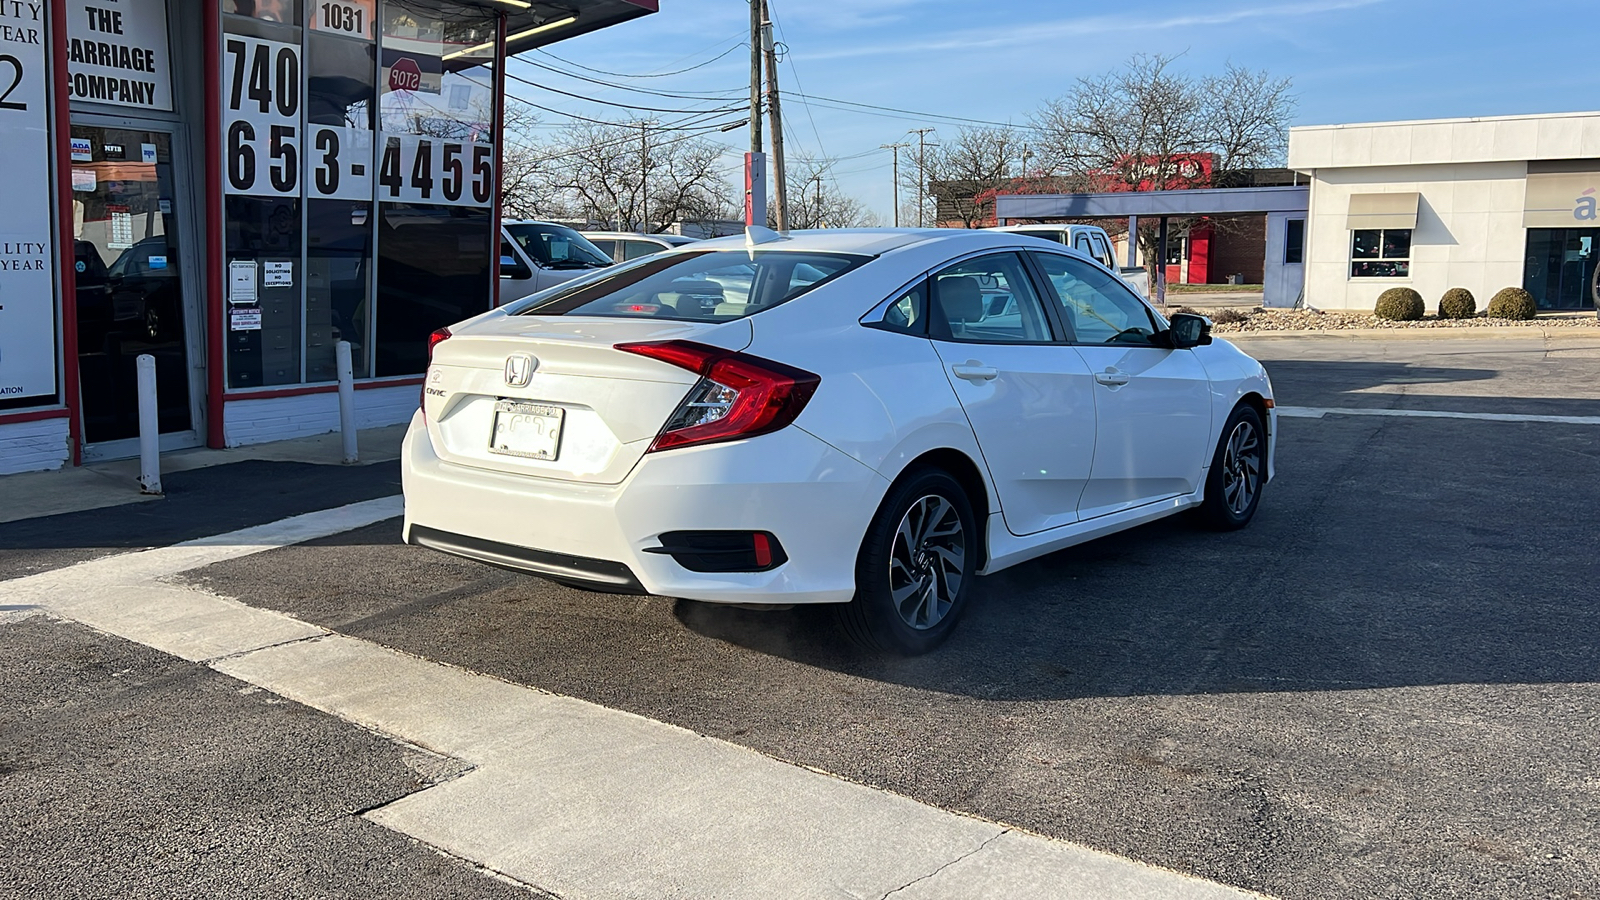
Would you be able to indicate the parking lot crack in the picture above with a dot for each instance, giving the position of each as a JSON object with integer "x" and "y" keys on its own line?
{"x": 239, "y": 654}
{"x": 915, "y": 881}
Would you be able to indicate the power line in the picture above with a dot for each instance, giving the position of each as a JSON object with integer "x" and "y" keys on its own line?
{"x": 657, "y": 109}
{"x": 708, "y": 62}
{"x": 697, "y": 95}
{"x": 902, "y": 113}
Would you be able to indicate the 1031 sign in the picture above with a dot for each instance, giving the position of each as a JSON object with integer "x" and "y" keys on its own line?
{"x": 417, "y": 169}
{"x": 350, "y": 17}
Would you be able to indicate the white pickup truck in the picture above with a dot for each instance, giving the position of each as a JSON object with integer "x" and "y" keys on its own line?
{"x": 1090, "y": 239}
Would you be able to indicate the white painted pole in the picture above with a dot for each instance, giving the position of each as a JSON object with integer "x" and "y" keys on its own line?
{"x": 149, "y": 427}
{"x": 347, "y": 401}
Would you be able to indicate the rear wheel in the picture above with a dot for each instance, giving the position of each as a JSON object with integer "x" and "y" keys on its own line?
{"x": 1238, "y": 471}
{"x": 915, "y": 567}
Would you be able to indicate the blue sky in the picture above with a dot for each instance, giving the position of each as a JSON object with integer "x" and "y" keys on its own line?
{"x": 1350, "y": 61}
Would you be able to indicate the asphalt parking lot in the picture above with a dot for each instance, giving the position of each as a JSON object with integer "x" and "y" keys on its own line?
{"x": 1385, "y": 687}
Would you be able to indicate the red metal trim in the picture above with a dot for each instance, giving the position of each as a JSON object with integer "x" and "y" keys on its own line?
{"x": 36, "y": 415}
{"x": 211, "y": 222}
{"x": 499, "y": 158}
{"x": 61, "y": 134}
{"x": 303, "y": 390}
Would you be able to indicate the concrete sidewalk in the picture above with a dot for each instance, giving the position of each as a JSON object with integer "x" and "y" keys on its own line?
{"x": 31, "y": 495}
{"x": 573, "y": 798}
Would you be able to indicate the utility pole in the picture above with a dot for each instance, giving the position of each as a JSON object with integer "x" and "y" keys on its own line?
{"x": 644, "y": 175}
{"x": 922, "y": 170}
{"x": 755, "y": 162}
{"x": 756, "y": 6}
{"x": 780, "y": 178}
{"x": 895, "y": 148}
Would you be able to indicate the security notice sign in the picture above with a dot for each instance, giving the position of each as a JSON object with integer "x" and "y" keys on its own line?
{"x": 117, "y": 52}
{"x": 27, "y": 281}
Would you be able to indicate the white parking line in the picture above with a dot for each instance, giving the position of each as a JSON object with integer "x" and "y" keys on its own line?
{"x": 1317, "y": 412}
{"x": 571, "y": 797}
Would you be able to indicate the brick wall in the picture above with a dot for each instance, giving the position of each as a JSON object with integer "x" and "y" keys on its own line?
{"x": 281, "y": 418}
{"x": 34, "y": 446}
{"x": 1239, "y": 247}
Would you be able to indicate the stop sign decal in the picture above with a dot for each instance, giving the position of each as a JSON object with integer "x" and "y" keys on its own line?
{"x": 404, "y": 75}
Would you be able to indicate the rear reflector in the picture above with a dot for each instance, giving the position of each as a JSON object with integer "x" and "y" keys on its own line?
{"x": 738, "y": 396}
{"x": 722, "y": 551}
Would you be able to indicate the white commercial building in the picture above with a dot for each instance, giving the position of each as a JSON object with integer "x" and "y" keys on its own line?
{"x": 1484, "y": 204}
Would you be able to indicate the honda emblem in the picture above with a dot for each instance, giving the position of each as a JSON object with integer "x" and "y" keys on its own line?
{"x": 519, "y": 370}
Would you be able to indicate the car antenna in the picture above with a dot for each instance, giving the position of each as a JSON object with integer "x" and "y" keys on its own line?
{"x": 760, "y": 234}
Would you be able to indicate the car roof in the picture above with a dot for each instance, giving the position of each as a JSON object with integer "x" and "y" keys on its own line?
{"x": 868, "y": 241}
{"x": 636, "y": 236}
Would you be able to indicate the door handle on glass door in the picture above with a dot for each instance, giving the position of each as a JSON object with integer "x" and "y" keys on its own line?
{"x": 1111, "y": 377}
{"x": 974, "y": 371}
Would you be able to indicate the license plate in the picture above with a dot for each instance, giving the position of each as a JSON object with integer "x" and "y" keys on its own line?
{"x": 528, "y": 430}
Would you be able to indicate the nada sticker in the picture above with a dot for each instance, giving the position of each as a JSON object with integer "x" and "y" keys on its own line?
{"x": 82, "y": 150}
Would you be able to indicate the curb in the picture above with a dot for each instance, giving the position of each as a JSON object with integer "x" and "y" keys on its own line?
{"x": 1424, "y": 334}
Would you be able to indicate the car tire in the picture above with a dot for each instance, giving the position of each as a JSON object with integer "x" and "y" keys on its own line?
{"x": 1238, "y": 472}
{"x": 916, "y": 566}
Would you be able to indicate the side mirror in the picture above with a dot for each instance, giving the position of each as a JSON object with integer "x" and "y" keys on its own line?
{"x": 1189, "y": 330}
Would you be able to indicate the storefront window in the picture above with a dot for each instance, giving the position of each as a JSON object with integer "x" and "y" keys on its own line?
{"x": 359, "y": 173}
{"x": 1380, "y": 253}
{"x": 435, "y": 178}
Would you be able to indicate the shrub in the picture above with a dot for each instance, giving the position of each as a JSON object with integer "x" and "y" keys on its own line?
{"x": 1400, "y": 305}
{"x": 1457, "y": 303}
{"x": 1228, "y": 317}
{"x": 1187, "y": 310}
{"x": 1513, "y": 303}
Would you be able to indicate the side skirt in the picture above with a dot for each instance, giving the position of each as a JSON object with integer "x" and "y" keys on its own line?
{"x": 1007, "y": 550}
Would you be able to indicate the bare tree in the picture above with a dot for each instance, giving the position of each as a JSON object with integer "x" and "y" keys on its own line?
{"x": 1149, "y": 127}
{"x": 978, "y": 163}
{"x": 635, "y": 175}
{"x": 816, "y": 202}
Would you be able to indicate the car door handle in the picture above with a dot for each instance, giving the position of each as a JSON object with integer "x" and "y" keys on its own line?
{"x": 1111, "y": 377}
{"x": 974, "y": 371}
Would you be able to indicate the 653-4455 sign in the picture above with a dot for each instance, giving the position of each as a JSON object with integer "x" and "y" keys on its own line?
{"x": 269, "y": 152}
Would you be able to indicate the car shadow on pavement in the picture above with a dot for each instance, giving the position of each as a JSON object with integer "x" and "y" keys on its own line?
{"x": 1427, "y": 556}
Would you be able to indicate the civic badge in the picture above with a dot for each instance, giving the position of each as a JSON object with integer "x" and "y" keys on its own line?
{"x": 519, "y": 369}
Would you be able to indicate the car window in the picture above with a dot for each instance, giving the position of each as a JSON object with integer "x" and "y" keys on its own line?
{"x": 1050, "y": 235}
{"x": 1102, "y": 250}
{"x": 606, "y": 246}
{"x": 510, "y": 265}
{"x": 987, "y": 300}
{"x": 1081, "y": 242}
{"x": 1095, "y": 305}
{"x": 907, "y": 313}
{"x": 703, "y": 286}
{"x": 636, "y": 249}
{"x": 557, "y": 246}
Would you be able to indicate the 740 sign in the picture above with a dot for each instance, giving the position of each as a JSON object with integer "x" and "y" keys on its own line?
{"x": 261, "y": 121}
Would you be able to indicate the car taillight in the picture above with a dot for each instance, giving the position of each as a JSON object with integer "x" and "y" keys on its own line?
{"x": 738, "y": 396}
{"x": 434, "y": 340}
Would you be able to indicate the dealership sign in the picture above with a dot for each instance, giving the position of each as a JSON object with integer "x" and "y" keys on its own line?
{"x": 1562, "y": 200}
{"x": 117, "y": 53}
{"x": 27, "y": 283}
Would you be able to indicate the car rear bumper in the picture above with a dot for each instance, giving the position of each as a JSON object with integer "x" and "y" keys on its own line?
{"x": 816, "y": 500}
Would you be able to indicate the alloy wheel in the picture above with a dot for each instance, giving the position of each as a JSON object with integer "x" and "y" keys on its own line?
{"x": 926, "y": 562}
{"x": 1241, "y": 468}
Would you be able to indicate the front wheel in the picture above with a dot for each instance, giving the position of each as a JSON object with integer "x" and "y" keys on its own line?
{"x": 915, "y": 568}
{"x": 1238, "y": 471}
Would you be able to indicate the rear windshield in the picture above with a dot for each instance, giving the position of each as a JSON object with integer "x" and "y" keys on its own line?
{"x": 705, "y": 286}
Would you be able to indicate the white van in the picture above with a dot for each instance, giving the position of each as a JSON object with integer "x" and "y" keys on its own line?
{"x": 1090, "y": 239}
{"x": 538, "y": 255}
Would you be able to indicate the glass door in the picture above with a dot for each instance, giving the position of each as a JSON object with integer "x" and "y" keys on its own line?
{"x": 1561, "y": 266}
{"x": 130, "y": 296}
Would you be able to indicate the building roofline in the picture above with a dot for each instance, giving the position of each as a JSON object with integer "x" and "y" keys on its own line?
{"x": 1455, "y": 121}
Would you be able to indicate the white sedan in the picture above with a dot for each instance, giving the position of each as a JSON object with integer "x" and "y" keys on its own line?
{"x": 868, "y": 418}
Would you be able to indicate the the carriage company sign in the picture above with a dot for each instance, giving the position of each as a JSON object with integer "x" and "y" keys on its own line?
{"x": 27, "y": 280}
{"x": 117, "y": 53}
